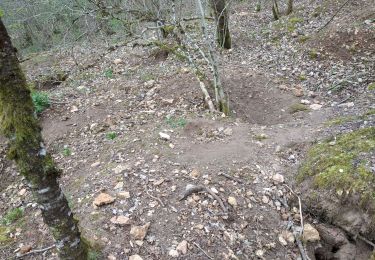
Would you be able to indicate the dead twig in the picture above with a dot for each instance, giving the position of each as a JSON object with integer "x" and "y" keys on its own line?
{"x": 156, "y": 198}
{"x": 36, "y": 251}
{"x": 300, "y": 206}
{"x": 230, "y": 177}
{"x": 334, "y": 15}
{"x": 204, "y": 252}
{"x": 195, "y": 189}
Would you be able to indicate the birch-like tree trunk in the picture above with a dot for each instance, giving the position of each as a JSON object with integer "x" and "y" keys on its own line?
{"x": 220, "y": 8}
{"x": 275, "y": 10}
{"x": 20, "y": 126}
{"x": 290, "y": 7}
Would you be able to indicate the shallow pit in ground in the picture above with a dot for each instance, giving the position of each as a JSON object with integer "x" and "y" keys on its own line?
{"x": 254, "y": 98}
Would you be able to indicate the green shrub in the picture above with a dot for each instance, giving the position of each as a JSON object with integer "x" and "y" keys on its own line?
{"x": 12, "y": 216}
{"x": 108, "y": 73}
{"x": 176, "y": 122}
{"x": 111, "y": 135}
{"x": 40, "y": 100}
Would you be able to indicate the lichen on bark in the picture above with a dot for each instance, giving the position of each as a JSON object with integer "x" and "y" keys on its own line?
{"x": 19, "y": 124}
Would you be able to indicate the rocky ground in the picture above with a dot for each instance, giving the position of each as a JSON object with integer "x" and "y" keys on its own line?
{"x": 134, "y": 139}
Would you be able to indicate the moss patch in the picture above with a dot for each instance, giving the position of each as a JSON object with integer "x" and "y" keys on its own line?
{"x": 341, "y": 165}
{"x": 297, "y": 108}
{"x": 4, "y": 237}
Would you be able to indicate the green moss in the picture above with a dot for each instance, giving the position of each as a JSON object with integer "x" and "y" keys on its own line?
{"x": 260, "y": 137}
{"x": 341, "y": 166}
{"x": 371, "y": 86}
{"x": 346, "y": 119}
{"x": 176, "y": 122}
{"x": 12, "y": 216}
{"x": 292, "y": 22}
{"x": 111, "y": 135}
{"x": 4, "y": 235}
{"x": 297, "y": 108}
{"x": 303, "y": 38}
{"x": 313, "y": 54}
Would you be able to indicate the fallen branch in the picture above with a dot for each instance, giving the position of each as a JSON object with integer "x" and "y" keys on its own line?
{"x": 300, "y": 207}
{"x": 204, "y": 252}
{"x": 36, "y": 251}
{"x": 230, "y": 177}
{"x": 195, "y": 189}
{"x": 330, "y": 20}
{"x": 156, "y": 198}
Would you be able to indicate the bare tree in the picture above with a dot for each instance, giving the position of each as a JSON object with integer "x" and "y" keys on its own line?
{"x": 220, "y": 8}
{"x": 290, "y": 7}
{"x": 26, "y": 148}
{"x": 275, "y": 10}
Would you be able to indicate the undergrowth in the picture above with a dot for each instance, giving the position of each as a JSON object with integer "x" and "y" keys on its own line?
{"x": 40, "y": 100}
{"x": 342, "y": 165}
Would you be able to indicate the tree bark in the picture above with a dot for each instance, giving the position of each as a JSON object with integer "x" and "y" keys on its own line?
{"x": 290, "y": 7}
{"x": 20, "y": 126}
{"x": 275, "y": 10}
{"x": 220, "y": 8}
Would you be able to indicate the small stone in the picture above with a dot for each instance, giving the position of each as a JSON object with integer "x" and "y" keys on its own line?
{"x": 282, "y": 240}
{"x": 139, "y": 232}
{"x": 194, "y": 173}
{"x": 111, "y": 257}
{"x": 265, "y": 199}
{"x": 158, "y": 182}
{"x": 315, "y": 106}
{"x": 305, "y": 102}
{"x": 95, "y": 164}
{"x": 288, "y": 236}
{"x": 298, "y": 92}
{"x": 135, "y": 257}
{"x": 119, "y": 185}
{"x": 103, "y": 199}
{"x": 22, "y": 192}
{"x": 182, "y": 247}
{"x": 310, "y": 233}
{"x": 164, "y": 136}
{"x": 123, "y": 194}
{"x": 228, "y": 131}
{"x": 173, "y": 253}
{"x": 278, "y": 178}
{"x": 74, "y": 109}
{"x": 25, "y": 249}
{"x": 117, "y": 61}
{"x": 120, "y": 220}
{"x": 121, "y": 168}
{"x": 232, "y": 201}
{"x": 259, "y": 252}
{"x": 149, "y": 83}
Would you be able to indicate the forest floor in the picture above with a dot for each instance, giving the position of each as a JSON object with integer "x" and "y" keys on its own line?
{"x": 286, "y": 84}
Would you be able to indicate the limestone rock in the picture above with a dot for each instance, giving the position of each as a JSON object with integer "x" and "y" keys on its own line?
{"x": 173, "y": 253}
{"x": 135, "y": 257}
{"x": 182, "y": 247}
{"x": 139, "y": 232}
{"x": 310, "y": 233}
{"x": 278, "y": 178}
{"x": 164, "y": 136}
{"x": 103, "y": 199}
{"x": 232, "y": 201}
{"x": 120, "y": 220}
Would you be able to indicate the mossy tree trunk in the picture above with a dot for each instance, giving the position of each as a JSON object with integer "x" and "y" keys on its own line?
{"x": 290, "y": 7}
{"x": 20, "y": 126}
{"x": 220, "y": 8}
{"x": 275, "y": 10}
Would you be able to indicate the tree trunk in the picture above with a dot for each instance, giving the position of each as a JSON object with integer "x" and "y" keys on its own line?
{"x": 290, "y": 7}
{"x": 20, "y": 126}
{"x": 275, "y": 10}
{"x": 222, "y": 23}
